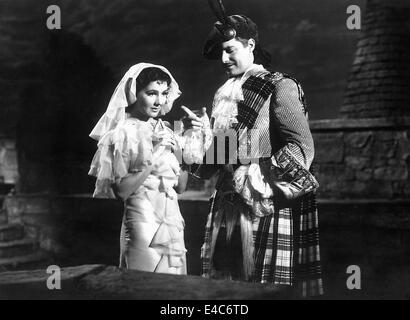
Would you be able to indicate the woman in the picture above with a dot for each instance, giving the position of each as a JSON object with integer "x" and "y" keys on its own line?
{"x": 136, "y": 158}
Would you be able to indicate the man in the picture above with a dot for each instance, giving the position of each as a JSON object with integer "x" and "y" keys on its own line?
{"x": 263, "y": 224}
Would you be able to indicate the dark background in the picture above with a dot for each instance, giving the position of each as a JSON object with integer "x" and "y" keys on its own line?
{"x": 55, "y": 84}
{"x": 308, "y": 39}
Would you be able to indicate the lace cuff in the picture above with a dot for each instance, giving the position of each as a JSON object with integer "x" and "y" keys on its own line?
{"x": 289, "y": 176}
{"x": 195, "y": 143}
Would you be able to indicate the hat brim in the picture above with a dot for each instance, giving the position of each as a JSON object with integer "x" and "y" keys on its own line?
{"x": 212, "y": 48}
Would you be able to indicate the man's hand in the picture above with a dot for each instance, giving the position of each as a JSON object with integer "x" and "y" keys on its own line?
{"x": 192, "y": 119}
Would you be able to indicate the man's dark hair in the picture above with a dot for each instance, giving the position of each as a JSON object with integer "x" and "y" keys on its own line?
{"x": 148, "y": 75}
{"x": 261, "y": 56}
{"x": 243, "y": 29}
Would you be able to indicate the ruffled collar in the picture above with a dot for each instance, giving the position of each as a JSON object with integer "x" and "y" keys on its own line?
{"x": 151, "y": 122}
{"x": 225, "y": 104}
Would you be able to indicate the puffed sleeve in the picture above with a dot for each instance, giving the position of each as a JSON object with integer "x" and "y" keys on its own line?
{"x": 110, "y": 162}
{"x": 289, "y": 119}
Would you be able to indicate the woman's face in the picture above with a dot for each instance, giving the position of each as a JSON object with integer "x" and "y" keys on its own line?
{"x": 151, "y": 99}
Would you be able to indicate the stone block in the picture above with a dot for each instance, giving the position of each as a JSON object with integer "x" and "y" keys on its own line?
{"x": 359, "y": 60}
{"x": 351, "y": 99}
{"x": 356, "y": 68}
{"x": 333, "y": 179}
{"x": 387, "y": 143}
{"x": 353, "y": 85}
{"x": 389, "y": 39}
{"x": 11, "y": 232}
{"x": 32, "y": 231}
{"x": 403, "y": 147}
{"x": 357, "y": 162}
{"x": 3, "y": 217}
{"x": 334, "y": 171}
{"x": 353, "y": 189}
{"x": 379, "y": 162}
{"x": 392, "y": 173}
{"x": 362, "y": 42}
{"x": 406, "y": 190}
{"x": 358, "y": 139}
{"x": 16, "y": 248}
{"x": 14, "y": 209}
{"x": 364, "y": 175}
{"x": 386, "y": 148}
{"x": 358, "y": 143}
{"x": 399, "y": 189}
{"x": 328, "y": 147}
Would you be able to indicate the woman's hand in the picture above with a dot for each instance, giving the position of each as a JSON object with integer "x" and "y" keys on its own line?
{"x": 165, "y": 139}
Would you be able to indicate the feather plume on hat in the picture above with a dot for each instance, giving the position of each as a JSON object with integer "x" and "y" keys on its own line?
{"x": 229, "y": 27}
{"x": 219, "y": 10}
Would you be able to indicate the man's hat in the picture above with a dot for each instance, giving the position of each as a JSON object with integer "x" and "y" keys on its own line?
{"x": 228, "y": 28}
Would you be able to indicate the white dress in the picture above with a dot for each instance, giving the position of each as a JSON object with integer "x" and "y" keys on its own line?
{"x": 152, "y": 232}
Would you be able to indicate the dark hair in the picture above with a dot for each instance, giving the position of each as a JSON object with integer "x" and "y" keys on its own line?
{"x": 261, "y": 56}
{"x": 148, "y": 75}
{"x": 242, "y": 40}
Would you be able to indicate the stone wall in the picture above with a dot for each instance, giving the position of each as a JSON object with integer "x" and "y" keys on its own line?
{"x": 367, "y": 158}
{"x": 355, "y": 159}
{"x": 20, "y": 56}
{"x": 379, "y": 81}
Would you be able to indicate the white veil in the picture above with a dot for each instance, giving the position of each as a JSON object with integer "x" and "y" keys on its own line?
{"x": 115, "y": 112}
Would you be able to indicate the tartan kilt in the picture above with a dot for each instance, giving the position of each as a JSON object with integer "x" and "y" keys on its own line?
{"x": 286, "y": 242}
{"x": 286, "y": 246}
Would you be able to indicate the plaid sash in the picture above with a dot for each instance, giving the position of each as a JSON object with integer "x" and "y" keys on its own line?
{"x": 286, "y": 243}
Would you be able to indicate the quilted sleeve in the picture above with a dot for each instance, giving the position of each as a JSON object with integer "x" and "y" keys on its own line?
{"x": 288, "y": 115}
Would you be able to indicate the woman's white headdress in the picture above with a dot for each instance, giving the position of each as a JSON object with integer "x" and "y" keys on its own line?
{"x": 115, "y": 112}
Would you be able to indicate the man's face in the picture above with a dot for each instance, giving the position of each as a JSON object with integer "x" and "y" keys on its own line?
{"x": 237, "y": 57}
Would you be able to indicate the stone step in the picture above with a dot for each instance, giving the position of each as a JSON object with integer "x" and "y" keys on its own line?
{"x": 30, "y": 261}
{"x": 9, "y": 232}
{"x": 3, "y": 218}
{"x": 14, "y": 248}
